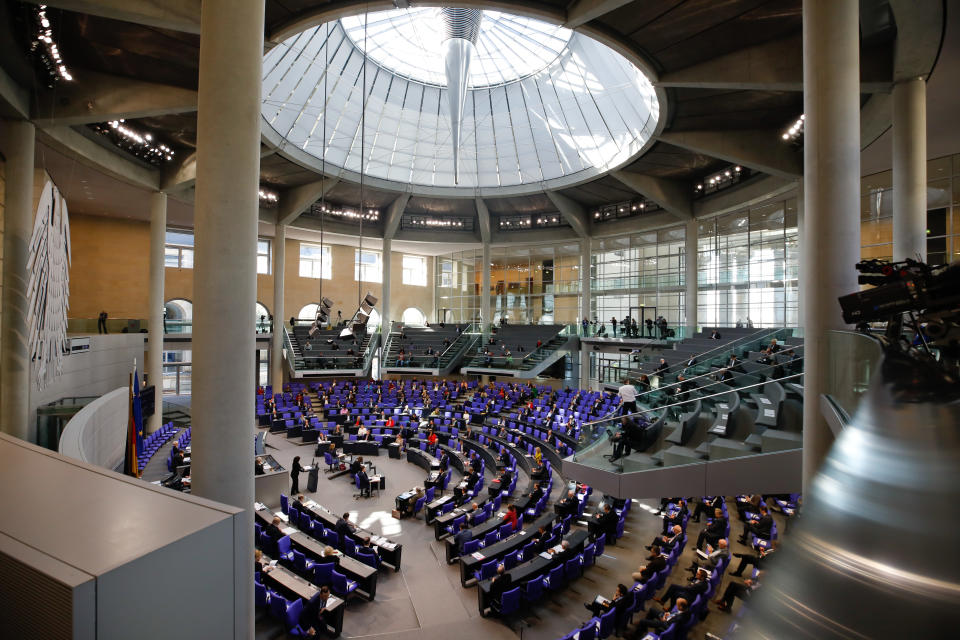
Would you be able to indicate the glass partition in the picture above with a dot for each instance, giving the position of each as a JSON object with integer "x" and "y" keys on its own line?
{"x": 854, "y": 357}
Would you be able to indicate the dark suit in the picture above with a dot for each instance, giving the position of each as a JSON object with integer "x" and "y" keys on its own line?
{"x": 364, "y": 483}
{"x": 713, "y": 532}
{"x": 343, "y": 529}
{"x": 762, "y": 528}
{"x": 654, "y": 565}
{"x": 444, "y": 462}
{"x": 567, "y": 506}
{"x": 501, "y": 583}
{"x": 462, "y": 538}
{"x": 655, "y": 620}
{"x": 617, "y": 603}
{"x": 690, "y": 591}
{"x": 535, "y": 495}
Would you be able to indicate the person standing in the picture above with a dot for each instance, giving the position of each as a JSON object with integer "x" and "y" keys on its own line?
{"x": 628, "y": 397}
{"x": 102, "y": 322}
{"x": 613, "y": 321}
{"x": 295, "y": 475}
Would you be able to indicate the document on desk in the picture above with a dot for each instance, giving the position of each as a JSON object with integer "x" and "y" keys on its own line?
{"x": 477, "y": 555}
{"x": 546, "y": 555}
{"x": 259, "y": 506}
{"x": 282, "y": 516}
{"x": 288, "y": 530}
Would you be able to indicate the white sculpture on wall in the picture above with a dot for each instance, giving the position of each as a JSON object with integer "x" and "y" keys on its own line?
{"x": 48, "y": 289}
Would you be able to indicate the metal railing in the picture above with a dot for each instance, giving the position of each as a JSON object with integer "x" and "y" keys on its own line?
{"x": 530, "y": 359}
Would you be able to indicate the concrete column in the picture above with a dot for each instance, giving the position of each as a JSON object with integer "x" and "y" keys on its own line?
{"x": 158, "y": 237}
{"x": 801, "y": 278}
{"x": 485, "y": 317}
{"x": 18, "y": 145}
{"x": 831, "y": 243}
{"x": 385, "y": 316}
{"x": 276, "y": 343}
{"x": 690, "y": 276}
{"x": 586, "y": 247}
{"x": 225, "y": 273}
{"x": 910, "y": 169}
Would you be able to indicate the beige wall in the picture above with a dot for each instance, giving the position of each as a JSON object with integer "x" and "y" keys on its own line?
{"x": 110, "y": 266}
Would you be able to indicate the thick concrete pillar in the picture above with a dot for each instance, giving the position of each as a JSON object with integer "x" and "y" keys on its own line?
{"x": 18, "y": 139}
{"x": 690, "y": 276}
{"x": 158, "y": 237}
{"x": 485, "y": 317}
{"x": 910, "y": 169}
{"x": 385, "y": 316}
{"x": 276, "y": 343}
{"x": 225, "y": 273}
{"x": 831, "y": 243}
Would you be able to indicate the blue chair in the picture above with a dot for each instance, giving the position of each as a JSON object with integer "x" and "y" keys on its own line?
{"x": 573, "y": 568}
{"x": 418, "y": 505}
{"x": 341, "y": 586}
{"x": 555, "y": 579}
{"x": 291, "y": 618}
{"x": 278, "y": 606}
{"x": 430, "y": 493}
{"x": 471, "y": 546}
{"x": 509, "y": 602}
{"x": 323, "y": 573}
{"x": 301, "y": 564}
{"x": 260, "y": 595}
{"x": 534, "y": 590}
{"x": 607, "y": 624}
{"x": 283, "y": 549}
{"x": 487, "y": 571}
{"x": 491, "y": 539}
{"x": 511, "y": 560}
{"x": 283, "y": 503}
{"x": 368, "y": 557}
{"x": 588, "y": 558}
{"x": 589, "y": 630}
{"x": 505, "y": 530}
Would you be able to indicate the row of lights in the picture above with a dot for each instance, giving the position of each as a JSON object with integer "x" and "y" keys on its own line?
{"x": 529, "y": 222}
{"x": 142, "y": 145}
{"x": 436, "y": 222}
{"x": 268, "y": 197}
{"x": 622, "y": 210}
{"x": 719, "y": 180}
{"x": 795, "y": 131}
{"x": 371, "y": 215}
{"x": 50, "y": 53}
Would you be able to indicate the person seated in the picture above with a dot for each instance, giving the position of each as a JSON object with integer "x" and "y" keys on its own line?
{"x": 541, "y": 536}
{"x": 363, "y": 482}
{"x": 568, "y": 505}
{"x": 714, "y": 556}
{"x": 502, "y": 582}
{"x": 630, "y": 431}
{"x": 432, "y": 439}
{"x": 759, "y": 526}
{"x": 356, "y": 465}
{"x": 363, "y": 433}
{"x": 539, "y": 472}
{"x": 662, "y": 367}
{"x": 676, "y": 516}
{"x": 757, "y": 560}
{"x": 669, "y": 539}
{"x": 600, "y": 522}
{"x": 406, "y": 507}
{"x": 323, "y": 615}
{"x": 715, "y": 335}
{"x": 714, "y": 531}
{"x": 257, "y": 466}
{"x": 655, "y": 563}
{"x": 697, "y": 586}
{"x": 659, "y": 619}
{"x": 505, "y": 477}
{"x": 707, "y": 505}
{"x": 511, "y": 518}
{"x": 343, "y": 527}
{"x": 602, "y": 605}
{"x": 259, "y": 563}
{"x": 299, "y": 503}
{"x": 463, "y": 536}
{"x": 743, "y": 590}
{"x": 723, "y": 375}
{"x": 273, "y": 529}
{"x": 535, "y": 494}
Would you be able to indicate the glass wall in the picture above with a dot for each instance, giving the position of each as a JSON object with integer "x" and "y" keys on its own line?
{"x": 640, "y": 276}
{"x": 943, "y": 212}
{"x": 528, "y": 284}
{"x": 748, "y": 267}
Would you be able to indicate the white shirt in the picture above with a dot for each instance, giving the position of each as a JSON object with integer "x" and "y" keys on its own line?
{"x": 627, "y": 393}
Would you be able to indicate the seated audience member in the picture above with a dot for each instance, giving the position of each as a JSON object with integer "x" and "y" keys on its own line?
{"x": 602, "y": 605}
{"x": 758, "y": 559}
{"x": 655, "y": 563}
{"x": 567, "y": 506}
{"x": 273, "y": 529}
{"x": 707, "y": 506}
{"x": 343, "y": 527}
{"x": 601, "y": 521}
{"x": 743, "y": 590}
{"x": 511, "y": 517}
{"x": 714, "y": 556}
{"x": 677, "y": 516}
{"x": 502, "y": 582}
{"x": 759, "y": 526}
{"x": 257, "y": 466}
{"x": 714, "y": 531}
{"x": 669, "y": 539}
{"x": 697, "y": 586}
{"x": 323, "y": 615}
{"x": 658, "y": 619}
{"x": 259, "y": 564}
{"x": 463, "y": 536}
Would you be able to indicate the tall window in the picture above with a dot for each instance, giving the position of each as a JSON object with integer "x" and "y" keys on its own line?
{"x": 263, "y": 256}
{"x": 415, "y": 270}
{"x": 446, "y": 273}
{"x": 178, "y": 249}
{"x": 314, "y": 261}
{"x": 367, "y": 267}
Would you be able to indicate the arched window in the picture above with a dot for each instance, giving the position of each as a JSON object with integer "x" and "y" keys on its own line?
{"x": 262, "y": 318}
{"x": 413, "y": 317}
{"x": 308, "y": 312}
{"x": 178, "y": 316}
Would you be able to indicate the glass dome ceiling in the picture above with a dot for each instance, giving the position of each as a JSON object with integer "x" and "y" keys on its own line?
{"x": 545, "y": 107}
{"x": 408, "y": 42}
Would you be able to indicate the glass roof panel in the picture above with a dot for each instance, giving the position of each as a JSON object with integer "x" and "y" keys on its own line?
{"x": 578, "y": 111}
{"x": 407, "y": 42}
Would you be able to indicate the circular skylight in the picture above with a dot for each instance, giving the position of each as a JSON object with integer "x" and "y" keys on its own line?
{"x": 408, "y": 42}
{"x": 542, "y": 108}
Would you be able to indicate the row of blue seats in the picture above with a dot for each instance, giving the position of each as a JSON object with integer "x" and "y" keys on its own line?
{"x": 153, "y": 442}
